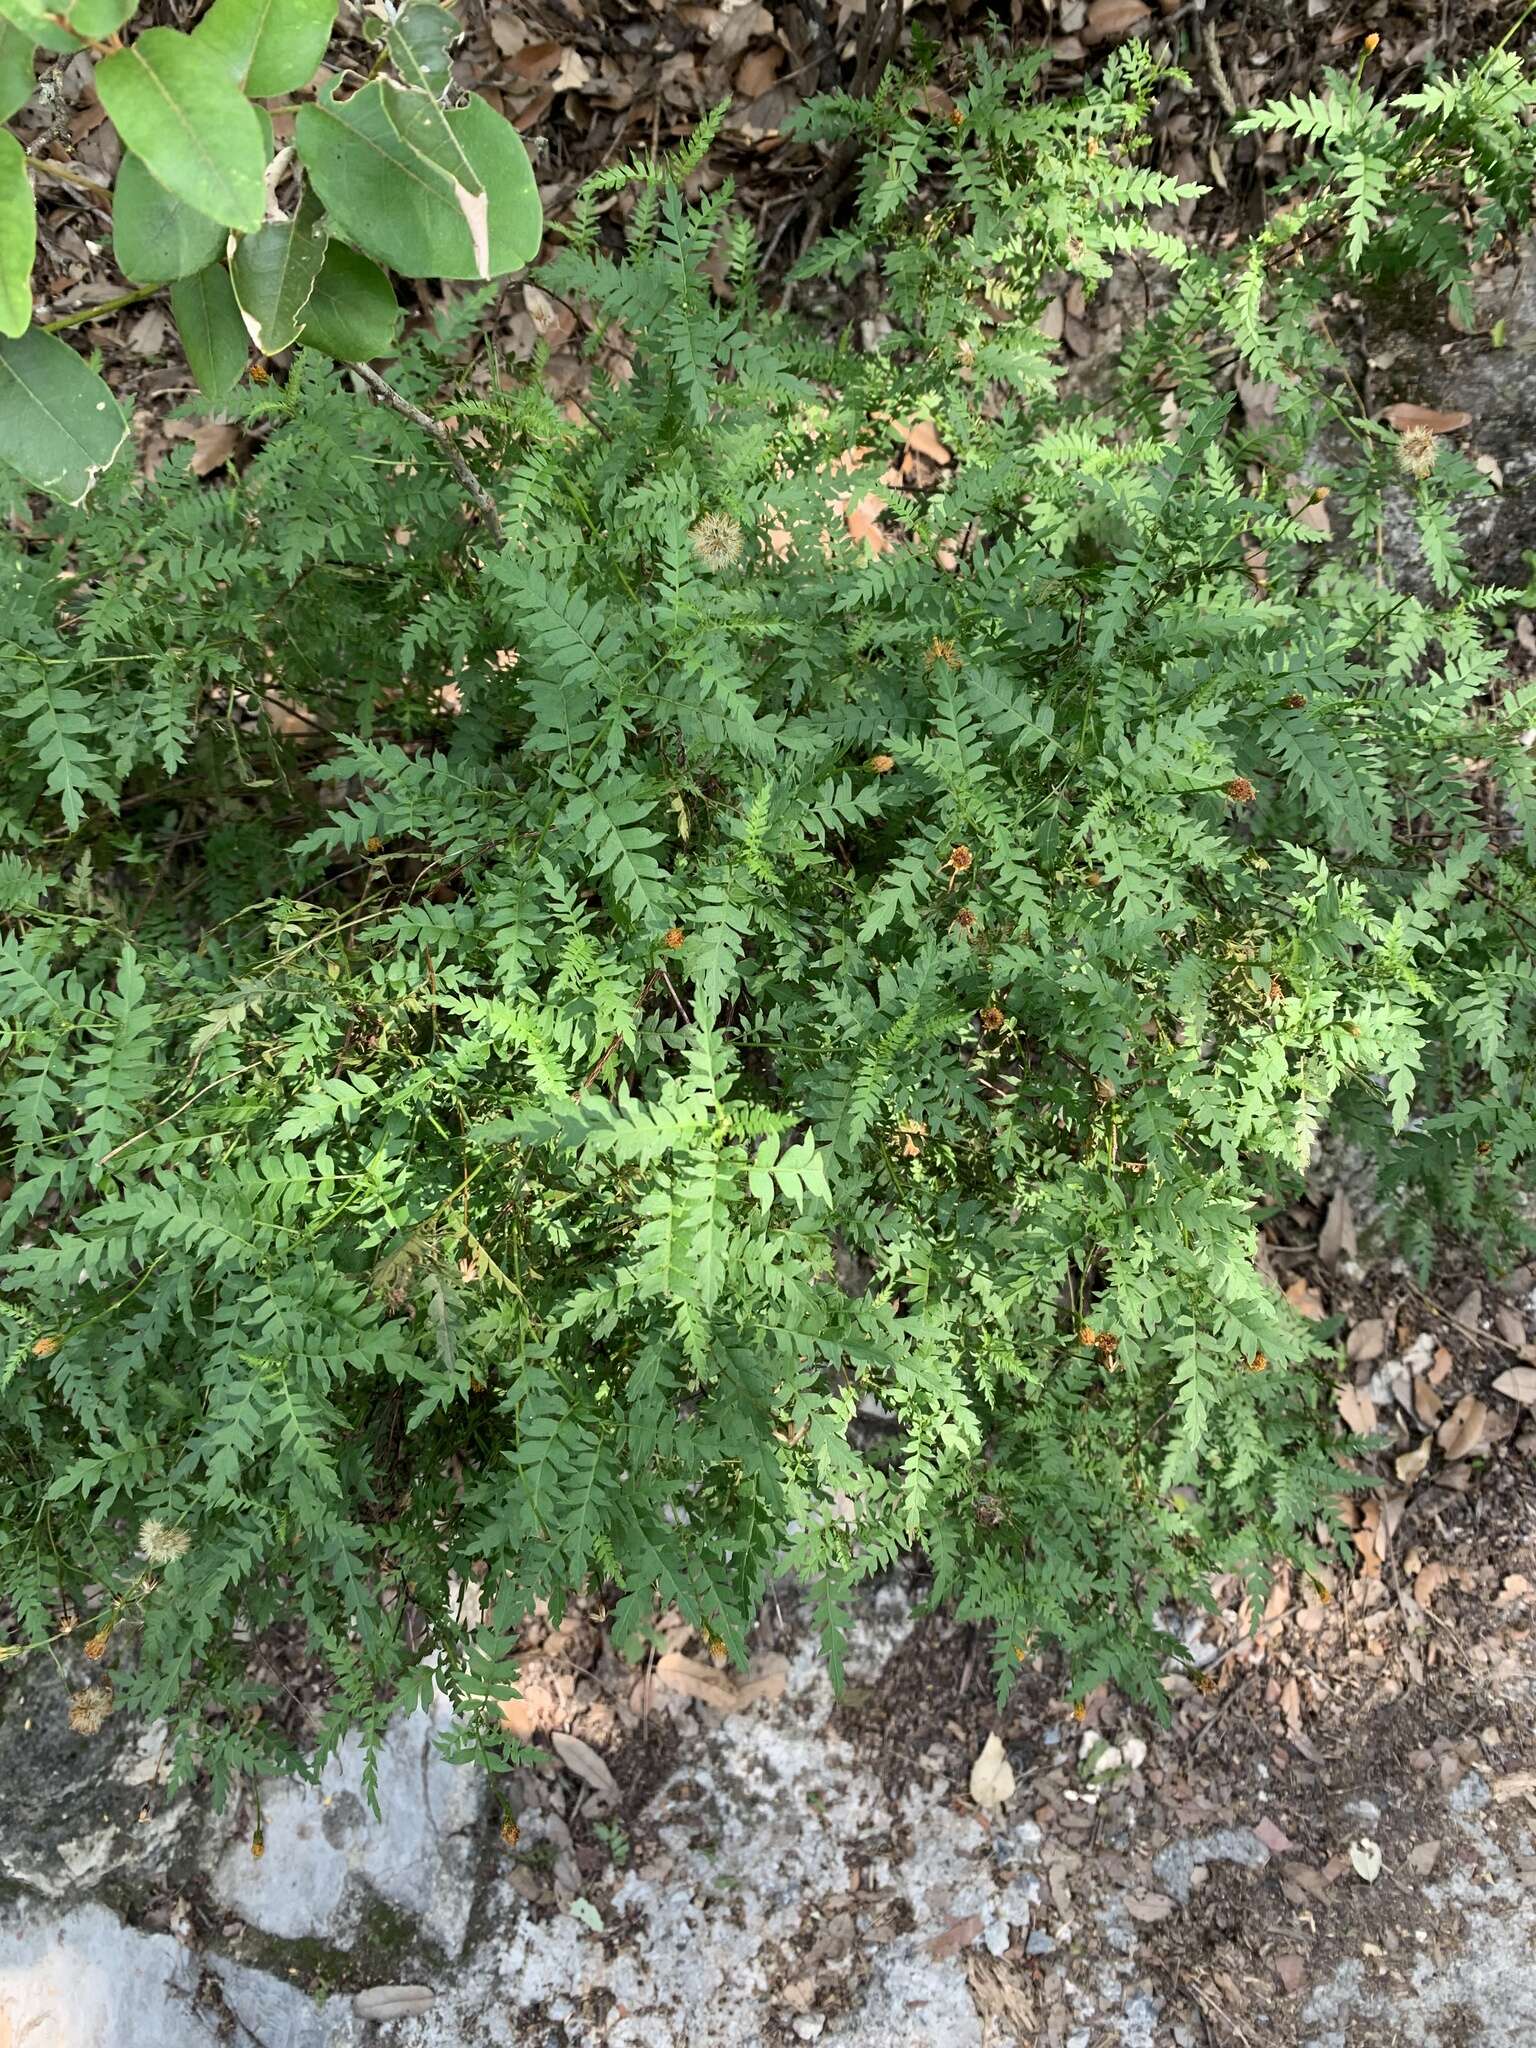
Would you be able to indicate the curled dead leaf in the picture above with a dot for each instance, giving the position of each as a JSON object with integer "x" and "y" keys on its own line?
{"x": 992, "y": 1779}
{"x": 1365, "y": 1855}
{"x": 1108, "y": 19}
{"x": 1412, "y": 1464}
{"x": 1518, "y": 1384}
{"x": 583, "y": 1762}
{"x": 1461, "y": 1434}
{"x": 1405, "y": 416}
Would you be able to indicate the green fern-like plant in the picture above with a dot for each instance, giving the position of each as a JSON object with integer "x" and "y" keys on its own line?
{"x": 671, "y": 1043}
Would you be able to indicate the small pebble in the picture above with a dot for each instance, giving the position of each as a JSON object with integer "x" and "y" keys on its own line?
{"x": 808, "y": 2025}
{"x": 1039, "y": 1943}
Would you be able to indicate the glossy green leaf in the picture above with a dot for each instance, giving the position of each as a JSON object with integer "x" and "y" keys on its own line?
{"x": 31, "y": 20}
{"x": 154, "y": 237}
{"x": 352, "y": 312}
{"x": 18, "y": 237}
{"x": 388, "y": 200}
{"x": 422, "y": 126}
{"x": 176, "y": 107}
{"x": 66, "y": 26}
{"x": 268, "y": 46}
{"x": 16, "y": 71}
{"x": 211, "y": 329}
{"x": 419, "y": 42}
{"x": 60, "y": 426}
{"x": 274, "y": 272}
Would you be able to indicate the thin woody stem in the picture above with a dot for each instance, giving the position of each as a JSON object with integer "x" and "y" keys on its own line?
{"x": 399, "y": 403}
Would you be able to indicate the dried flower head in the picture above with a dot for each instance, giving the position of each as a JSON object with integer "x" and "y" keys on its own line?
{"x": 1258, "y": 1362}
{"x": 960, "y": 859}
{"x": 1241, "y": 790}
{"x": 96, "y": 1648}
{"x": 1417, "y": 452}
{"x": 1295, "y": 701}
{"x": 965, "y": 920}
{"x": 941, "y": 650}
{"x": 259, "y": 1842}
{"x": 674, "y": 938}
{"x": 88, "y": 1710}
{"x": 992, "y": 1018}
{"x": 1087, "y": 1334}
{"x": 510, "y": 1832}
{"x": 718, "y": 1653}
{"x": 717, "y": 540}
{"x": 989, "y": 1510}
{"x": 881, "y": 764}
{"x": 45, "y": 1347}
{"x": 159, "y": 1543}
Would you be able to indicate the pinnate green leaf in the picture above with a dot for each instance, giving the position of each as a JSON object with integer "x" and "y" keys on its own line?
{"x": 274, "y": 272}
{"x": 60, "y": 426}
{"x": 18, "y": 237}
{"x": 352, "y": 312}
{"x": 212, "y": 331}
{"x": 155, "y": 238}
{"x": 268, "y": 46}
{"x": 175, "y": 106}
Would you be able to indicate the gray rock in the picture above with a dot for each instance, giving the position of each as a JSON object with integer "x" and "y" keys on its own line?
{"x": 1471, "y": 1795}
{"x": 1039, "y": 1943}
{"x": 326, "y": 1853}
{"x": 71, "y": 1805}
{"x": 82, "y": 1980}
{"x": 1174, "y": 1866}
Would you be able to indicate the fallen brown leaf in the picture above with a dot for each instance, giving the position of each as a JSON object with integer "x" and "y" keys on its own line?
{"x": 1148, "y": 1907}
{"x": 1367, "y": 1342}
{"x": 1357, "y": 1410}
{"x": 1513, "y": 1785}
{"x": 1518, "y": 1384}
{"x": 213, "y": 442}
{"x": 1108, "y": 18}
{"x": 955, "y": 1937}
{"x": 1273, "y": 1836}
{"x": 1412, "y": 1464}
{"x": 1461, "y": 1433}
{"x": 583, "y": 1762}
{"x": 1404, "y": 416}
{"x": 992, "y": 1776}
{"x": 1292, "y": 1972}
{"x": 1305, "y": 1299}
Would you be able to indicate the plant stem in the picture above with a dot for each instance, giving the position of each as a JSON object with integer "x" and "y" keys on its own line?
{"x": 68, "y": 175}
{"x": 116, "y": 305}
{"x": 399, "y": 403}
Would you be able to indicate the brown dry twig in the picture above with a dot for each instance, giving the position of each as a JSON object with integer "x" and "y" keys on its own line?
{"x": 398, "y": 402}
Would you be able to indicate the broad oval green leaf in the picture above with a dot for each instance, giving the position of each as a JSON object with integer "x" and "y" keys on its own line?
{"x": 400, "y": 209}
{"x": 156, "y": 239}
{"x": 18, "y": 236}
{"x": 422, "y": 126}
{"x": 176, "y": 108}
{"x": 211, "y": 329}
{"x": 16, "y": 73}
{"x": 274, "y": 272}
{"x": 268, "y": 46}
{"x": 31, "y": 19}
{"x": 419, "y": 42}
{"x": 60, "y": 426}
{"x": 352, "y": 312}
{"x": 66, "y": 25}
